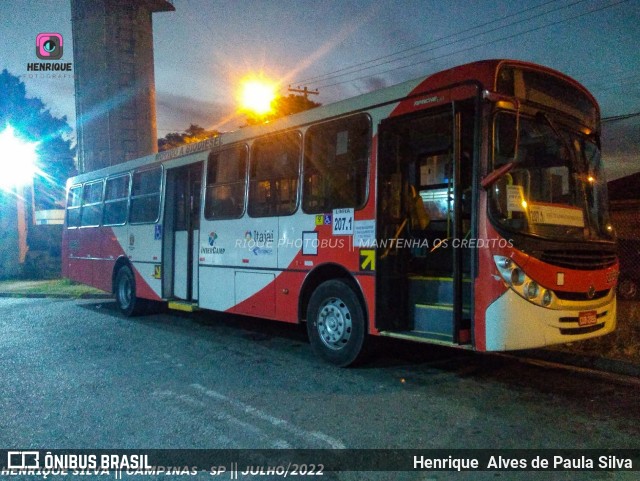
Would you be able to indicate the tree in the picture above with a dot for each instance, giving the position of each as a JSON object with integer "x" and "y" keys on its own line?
{"x": 31, "y": 118}
{"x": 283, "y": 106}
{"x": 194, "y": 133}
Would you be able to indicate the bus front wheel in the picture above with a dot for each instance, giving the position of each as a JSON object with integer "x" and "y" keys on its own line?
{"x": 336, "y": 323}
{"x": 125, "y": 291}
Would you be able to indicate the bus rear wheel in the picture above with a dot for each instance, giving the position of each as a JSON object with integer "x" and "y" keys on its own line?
{"x": 336, "y": 323}
{"x": 125, "y": 292}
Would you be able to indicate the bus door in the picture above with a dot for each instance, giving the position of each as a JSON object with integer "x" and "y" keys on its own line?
{"x": 181, "y": 232}
{"x": 423, "y": 279}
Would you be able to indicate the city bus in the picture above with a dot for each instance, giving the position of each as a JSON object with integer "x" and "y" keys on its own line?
{"x": 467, "y": 208}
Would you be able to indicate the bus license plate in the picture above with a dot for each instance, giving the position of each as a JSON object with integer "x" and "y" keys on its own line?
{"x": 587, "y": 318}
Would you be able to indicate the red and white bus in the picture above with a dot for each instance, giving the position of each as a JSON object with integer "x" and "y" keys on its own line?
{"x": 466, "y": 208}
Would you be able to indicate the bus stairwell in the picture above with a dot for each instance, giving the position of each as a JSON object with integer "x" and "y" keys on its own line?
{"x": 431, "y": 309}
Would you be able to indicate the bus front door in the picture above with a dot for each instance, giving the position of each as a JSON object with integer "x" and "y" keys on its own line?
{"x": 182, "y": 232}
{"x": 423, "y": 278}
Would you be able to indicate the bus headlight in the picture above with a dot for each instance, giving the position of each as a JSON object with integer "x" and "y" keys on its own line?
{"x": 504, "y": 262}
{"x": 531, "y": 290}
{"x": 515, "y": 277}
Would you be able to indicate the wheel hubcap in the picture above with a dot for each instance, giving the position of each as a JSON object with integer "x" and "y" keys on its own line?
{"x": 334, "y": 323}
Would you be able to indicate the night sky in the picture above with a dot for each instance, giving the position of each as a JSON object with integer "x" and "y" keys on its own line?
{"x": 204, "y": 47}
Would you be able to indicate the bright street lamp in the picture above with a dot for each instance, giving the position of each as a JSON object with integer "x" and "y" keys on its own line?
{"x": 256, "y": 95}
{"x": 17, "y": 160}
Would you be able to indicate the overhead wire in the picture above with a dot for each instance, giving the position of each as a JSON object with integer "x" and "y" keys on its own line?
{"x": 478, "y": 45}
{"x": 331, "y": 74}
{"x": 388, "y": 59}
{"x": 621, "y": 83}
{"x": 600, "y": 76}
{"x": 620, "y": 117}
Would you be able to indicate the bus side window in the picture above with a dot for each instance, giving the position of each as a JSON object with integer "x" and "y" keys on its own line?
{"x": 74, "y": 201}
{"x": 226, "y": 179}
{"x": 336, "y": 160}
{"x": 273, "y": 179}
{"x": 116, "y": 197}
{"x": 92, "y": 204}
{"x": 145, "y": 196}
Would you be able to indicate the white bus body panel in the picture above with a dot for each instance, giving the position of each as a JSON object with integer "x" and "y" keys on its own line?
{"x": 512, "y": 322}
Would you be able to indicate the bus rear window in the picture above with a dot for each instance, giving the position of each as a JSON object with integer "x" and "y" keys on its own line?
{"x": 336, "y": 157}
{"x": 145, "y": 196}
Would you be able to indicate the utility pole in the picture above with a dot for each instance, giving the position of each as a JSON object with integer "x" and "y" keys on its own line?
{"x": 305, "y": 91}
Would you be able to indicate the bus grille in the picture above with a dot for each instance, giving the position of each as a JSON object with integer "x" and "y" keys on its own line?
{"x": 581, "y": 296}
{"x": 575, "y": 319}
{"x": 574, "y": 331}
{"x": 579, "y": 260}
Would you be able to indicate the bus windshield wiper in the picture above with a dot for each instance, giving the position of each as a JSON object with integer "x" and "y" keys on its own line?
{"x": 545, "y": 117}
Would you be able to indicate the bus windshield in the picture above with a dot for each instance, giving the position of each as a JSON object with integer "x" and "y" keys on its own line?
{"x": 556, "y": 189}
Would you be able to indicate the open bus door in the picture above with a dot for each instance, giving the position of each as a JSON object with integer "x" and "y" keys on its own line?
{"x": 424, "y": 288}
{"x": 181, "y": 232}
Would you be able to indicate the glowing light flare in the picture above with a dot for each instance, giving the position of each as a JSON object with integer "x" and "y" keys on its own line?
{"x": 257, "y": 94}
{"x": 17, "y": 160}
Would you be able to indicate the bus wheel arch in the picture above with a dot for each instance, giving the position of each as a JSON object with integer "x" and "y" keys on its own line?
{"x": 335, "y": 311}
{"x": 322, "y": 273}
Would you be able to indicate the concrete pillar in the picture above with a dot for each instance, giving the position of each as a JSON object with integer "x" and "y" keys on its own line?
{"x": 114, "y": 80}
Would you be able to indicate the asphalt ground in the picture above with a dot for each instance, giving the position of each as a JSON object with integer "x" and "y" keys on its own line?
{"x": 60, "y": 289}
{"x": 77, "y": 374}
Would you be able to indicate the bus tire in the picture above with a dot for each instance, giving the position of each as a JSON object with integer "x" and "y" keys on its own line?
{"x": 336, "y": 323}
{"x": 125, "y": 293}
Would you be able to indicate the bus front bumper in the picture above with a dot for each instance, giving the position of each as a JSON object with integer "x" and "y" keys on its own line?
{"x": 512, "y": 322}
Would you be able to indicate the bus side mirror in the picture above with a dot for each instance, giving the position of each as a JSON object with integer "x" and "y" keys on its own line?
{"x": 494, "y": 175}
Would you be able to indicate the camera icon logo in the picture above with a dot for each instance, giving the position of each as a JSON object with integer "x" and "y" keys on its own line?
{"x": 23, "y": 459}
{"x": 49, "y": 46}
